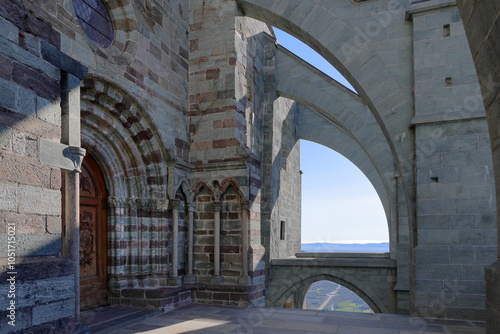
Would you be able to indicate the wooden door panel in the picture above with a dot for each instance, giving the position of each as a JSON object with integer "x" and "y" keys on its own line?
{"x": 88, "y": 245}
{"x": 93, "y": 242}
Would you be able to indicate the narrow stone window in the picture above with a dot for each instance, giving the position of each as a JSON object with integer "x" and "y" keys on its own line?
{"x": 282, "y": 230}
{"x": 449, "y": 82}
{"x": 435, "y": 179}
{"x": 95, "y": 21}
{"x": 446, "y": 30}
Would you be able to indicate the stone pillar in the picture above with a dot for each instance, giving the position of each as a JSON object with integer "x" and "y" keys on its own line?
{"x": 190, "y": 277}
{"x": 71, "y": 241}
{"x": 244, "y": 279}
{"x": 70, "y": 135}
{"x": 174, "y": 279}
{"x": 217, "y": 279}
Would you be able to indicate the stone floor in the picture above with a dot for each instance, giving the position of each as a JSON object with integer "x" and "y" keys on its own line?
{"x": 200, "y": 319}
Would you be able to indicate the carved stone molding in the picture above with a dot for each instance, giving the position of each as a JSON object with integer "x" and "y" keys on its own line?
{"x": 191, "y": 207}
{"x": 137, "y": 203}
{"x": 175, "y": 204}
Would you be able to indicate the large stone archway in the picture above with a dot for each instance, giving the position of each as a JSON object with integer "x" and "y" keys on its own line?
{"x": 399, "y": 59}
{"x": 123, "y": 141}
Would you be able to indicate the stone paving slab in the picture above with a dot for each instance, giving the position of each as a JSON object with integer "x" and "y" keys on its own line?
{"x": 202, "y": 319}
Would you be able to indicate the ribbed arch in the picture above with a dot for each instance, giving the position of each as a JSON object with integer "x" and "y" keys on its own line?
{"x": 118, "y": 133}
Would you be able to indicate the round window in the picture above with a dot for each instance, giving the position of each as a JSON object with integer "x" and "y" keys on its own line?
{"x": 95, "y": 21}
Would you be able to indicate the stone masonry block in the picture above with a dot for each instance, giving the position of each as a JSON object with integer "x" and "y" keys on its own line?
{"x": 49, "y": 111}
{"x": 25, "y": 101}
{"x": 5, "y": 138}
{"x": 39, "y": 200}
{"x": 53, "y": 311}
{"x": 24, "y": 170}
{"x": 38, "y": 244}
{"x": 41, "y": 84}
{"x": 9, "y": 30}
{"x": 41, "y": 291}
{"x": 8, "y": 197}
{"x": 26, "y": 224}
{"x": 432, "y": 254}
{"x": 7, "y": 94}
{"x": 54, "y": 225}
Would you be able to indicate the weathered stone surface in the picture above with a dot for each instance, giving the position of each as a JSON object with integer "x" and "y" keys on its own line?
{"x": 39, "y": 200}
{"x": 24, "y": 170}
{"x": 8, "y": 196}
{"x": 41, "y": 84}
{"x": 44, "y": 291}
{"x": 38, "y": 268}
{"x": 38, "y": 244}
{"x": 53, "y": 311}
{"x": 26, "y": 224}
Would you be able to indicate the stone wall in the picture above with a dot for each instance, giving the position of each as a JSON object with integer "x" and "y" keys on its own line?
{"x": 480, "y": 20}
{"x": 455, "y": 195}
{"x": 30, "y": 197}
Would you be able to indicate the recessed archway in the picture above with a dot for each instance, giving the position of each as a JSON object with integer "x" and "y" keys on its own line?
{"x": 339, "y": 203}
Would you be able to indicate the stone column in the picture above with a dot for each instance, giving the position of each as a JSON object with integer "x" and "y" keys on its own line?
{"x": 174, "y": 279}
{"x": 190, "y": 277}
{"x": 217, "y": 279}
{"x": 70, "y": 136}
{"x": 71, "y": 245}
{"x": 244, "y": 279}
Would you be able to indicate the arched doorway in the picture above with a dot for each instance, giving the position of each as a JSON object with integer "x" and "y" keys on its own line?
{"x": 93, "y": 240}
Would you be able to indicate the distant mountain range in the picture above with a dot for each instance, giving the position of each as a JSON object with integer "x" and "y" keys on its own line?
{"x": 346, "y": 248}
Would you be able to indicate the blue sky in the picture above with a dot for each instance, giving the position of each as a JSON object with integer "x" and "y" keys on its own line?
{"x": 339, "y": 204}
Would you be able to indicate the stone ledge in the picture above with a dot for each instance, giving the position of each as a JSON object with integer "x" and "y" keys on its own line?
{"x": 59, "y": 59}
{"x": 36, "y": 268}
{"x": 342, "y": 255}
{"x": 420, "y": 6}
{"x": 334, "y": 262}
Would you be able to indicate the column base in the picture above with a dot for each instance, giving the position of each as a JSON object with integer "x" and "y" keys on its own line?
{"x": 80, "y": 328}
{"x": 190, "y": 279}
{"x": 244, "y": 280}
{"x": 217, "y": 280}
{"x": 174, "y": 281}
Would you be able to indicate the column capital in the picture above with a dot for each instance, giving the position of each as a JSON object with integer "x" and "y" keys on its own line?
{"x": 163, "y": 204}
{"x": 217, "y": 206}
{"x": 245, "y": 205}
{"x": 175, "y": 204}
{"x": 191, "y": 207}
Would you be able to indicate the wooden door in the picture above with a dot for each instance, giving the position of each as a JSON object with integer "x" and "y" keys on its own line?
{"x": 93, "y": 241}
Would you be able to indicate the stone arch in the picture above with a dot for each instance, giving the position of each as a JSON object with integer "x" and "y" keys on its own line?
{"x": 349, "y": 44}
{"x": 332, "y": 115}
{"x": 199, "y": 187}
{"x": 363, "y": 291}
{"x": 313, "y": 127}
{"x": 361, "y": 294}
{"x": 123, "y": 48}
{"x": 118, "y": 134}
{"x": 186, "y": 190}
{"x": 224, "y": 185}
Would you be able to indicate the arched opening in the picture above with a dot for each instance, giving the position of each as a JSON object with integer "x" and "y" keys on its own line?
{"x": 341, "y": 210}
{"x": 93, "y": 237}
{"x": 305, "y": 52}
{"x": 330, "y": 296}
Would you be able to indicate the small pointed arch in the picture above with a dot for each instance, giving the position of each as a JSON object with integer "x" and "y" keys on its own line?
{"x": 200, "y": 186}
{"x": 224, "y": 187}
{"x": 184, "y": 189}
